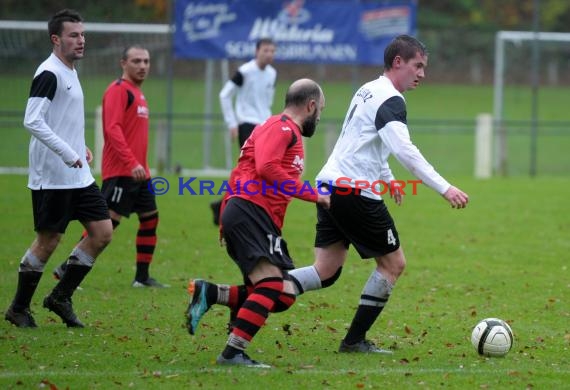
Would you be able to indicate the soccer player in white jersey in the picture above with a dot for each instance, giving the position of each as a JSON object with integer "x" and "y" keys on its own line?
{"x": 252, "y": 87}
{"x": 375, "y": 127}
{"x": 62, "y": 186}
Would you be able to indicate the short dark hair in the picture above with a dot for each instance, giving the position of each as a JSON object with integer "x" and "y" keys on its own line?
{"x": 300, "y": 94}
{"x": 125, "y": 53}
{"x": 55, "y": 24}
{"x": 404, "y": 46}
{"x": 263, "y": 41}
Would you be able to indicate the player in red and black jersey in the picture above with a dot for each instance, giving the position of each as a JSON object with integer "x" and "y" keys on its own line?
{"x": 125, "y": 168}
{"x": 253, "y": 87}
{"x": 262, "y": 185}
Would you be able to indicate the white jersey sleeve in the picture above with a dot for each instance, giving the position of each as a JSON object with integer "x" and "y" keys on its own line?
{"x": 42, "y": 93}
{"x": 394, "y": 133}
{"x": 226, "y": 102}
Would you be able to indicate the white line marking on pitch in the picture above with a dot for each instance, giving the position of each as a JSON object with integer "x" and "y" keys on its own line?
{"x": 305, "y": 371}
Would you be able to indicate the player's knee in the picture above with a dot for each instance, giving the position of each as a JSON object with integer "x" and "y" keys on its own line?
{"x": 284, "y": 302}
{"x": 399, "y": 266}
{"x": 51, "y": 245}
{"x": 46, "y": 243}
{"x": 102, "y": 236}
{"x": 330, "y": 281}
{"x": 149, "y": 221}
{"x": 106, "y": 237}
{"x": 392, "y": 265}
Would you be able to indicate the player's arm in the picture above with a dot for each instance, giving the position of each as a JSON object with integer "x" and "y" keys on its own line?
{"x": 114, "y": 106}
{"x": 42, "y": 93}
{"x": 268, "y": 162}
{"x": 272, "y": 92}
{"x": 392, "y": 128}
{"x": 226, "y": 102}
{"x": 386, "y": 176}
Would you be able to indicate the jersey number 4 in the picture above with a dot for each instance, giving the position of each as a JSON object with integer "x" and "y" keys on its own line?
{"x": 391, "y": 238}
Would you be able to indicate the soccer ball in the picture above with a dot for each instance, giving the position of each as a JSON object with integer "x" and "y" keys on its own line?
{"x": 492, "y": 337}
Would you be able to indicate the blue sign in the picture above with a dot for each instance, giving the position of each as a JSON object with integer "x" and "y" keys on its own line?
{"x": 316, "y": 31}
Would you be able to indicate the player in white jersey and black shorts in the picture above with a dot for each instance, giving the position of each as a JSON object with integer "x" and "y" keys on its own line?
{"x": 375, "y": 126}
{"x": 62, "y": 186}
{"x": 253, "y": 87}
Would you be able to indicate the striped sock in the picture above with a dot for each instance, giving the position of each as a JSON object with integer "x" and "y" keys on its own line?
{"x": 253, "y": 314}
{"x": 146, "y": 243}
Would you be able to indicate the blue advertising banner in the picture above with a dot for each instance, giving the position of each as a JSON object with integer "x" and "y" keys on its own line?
{"x": 316, "y": 31}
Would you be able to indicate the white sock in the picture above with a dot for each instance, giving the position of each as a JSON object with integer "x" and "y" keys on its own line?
{"x": 376, "y": 291}
{"x": 305, "y": 279}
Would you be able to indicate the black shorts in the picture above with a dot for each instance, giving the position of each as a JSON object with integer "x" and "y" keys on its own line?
{"x": 251, "y": 235}
{"x": 244, "y": 131}
{"x": 54, "y": 209}
{"x": 125, "y": 195}
{"x": 357, "y": 220}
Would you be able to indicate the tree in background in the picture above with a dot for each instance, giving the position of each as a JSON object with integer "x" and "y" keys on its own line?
{"x": 129, "y": 11}
{"x": 486, "y": 15}
{"x": 493, "y": 15}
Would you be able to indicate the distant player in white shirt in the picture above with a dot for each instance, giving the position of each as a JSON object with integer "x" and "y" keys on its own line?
{"x": 375, "y": 126}
{"x": 252, "y": 87}
{"x": 62, "y": 186}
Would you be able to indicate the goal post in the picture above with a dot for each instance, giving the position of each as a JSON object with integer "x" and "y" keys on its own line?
{"x": 483, "y": 146}
{"x": 500, "y": 130}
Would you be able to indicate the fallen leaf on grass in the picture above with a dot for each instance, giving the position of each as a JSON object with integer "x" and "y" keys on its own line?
{"x": 46, "y": 383}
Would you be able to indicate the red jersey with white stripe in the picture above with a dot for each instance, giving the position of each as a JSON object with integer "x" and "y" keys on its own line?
{"x": 270, "y": 166}
{"x": 125, "y": 129}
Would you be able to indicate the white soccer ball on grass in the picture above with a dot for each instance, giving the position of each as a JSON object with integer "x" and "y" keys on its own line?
{"x": 492, "y": 337}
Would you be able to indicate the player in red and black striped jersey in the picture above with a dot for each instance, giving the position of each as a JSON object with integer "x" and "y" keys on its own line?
{"x": 125, "y": 168}
{"x": 262, "y": 185}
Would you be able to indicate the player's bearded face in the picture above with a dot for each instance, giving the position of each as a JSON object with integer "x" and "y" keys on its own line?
{"x": 310, "y": 124}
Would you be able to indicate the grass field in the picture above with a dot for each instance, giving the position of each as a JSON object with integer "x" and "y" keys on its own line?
{"x": 505, "y": 256}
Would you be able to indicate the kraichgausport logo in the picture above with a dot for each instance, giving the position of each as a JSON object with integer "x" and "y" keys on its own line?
{"x": 341, "y": 186}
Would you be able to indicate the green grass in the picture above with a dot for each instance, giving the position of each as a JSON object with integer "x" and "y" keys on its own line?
{"x": 504, "y": 256}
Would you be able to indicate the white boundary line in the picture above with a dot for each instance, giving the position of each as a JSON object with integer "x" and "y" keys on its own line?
{"x": 303, "y": 371}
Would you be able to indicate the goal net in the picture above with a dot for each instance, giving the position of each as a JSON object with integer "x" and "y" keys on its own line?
{"x": 530, "y": 123}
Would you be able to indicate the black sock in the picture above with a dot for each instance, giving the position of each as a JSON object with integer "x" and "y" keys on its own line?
{"x": 142, "y": 272}
{"x": 229, "y": 352}
{"x": 361, "y": 323}
{"x": 63, "y": 266}
{"x": 73, "y": 276}
{"x": 27, "y": 284}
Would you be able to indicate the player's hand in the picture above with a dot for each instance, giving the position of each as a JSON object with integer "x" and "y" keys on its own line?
{"x": 77, "y": 164}
{"x": 139, "y": 173}
{"x": 456, "y": 198}
{"x": 89, "y": 156}
{"x": 233, "y": 133}
{"x": 324, "y": 200}
{"x": 397, "y": 195}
